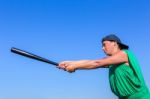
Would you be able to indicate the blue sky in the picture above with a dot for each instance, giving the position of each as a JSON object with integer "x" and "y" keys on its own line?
{"x": 67, "y": 30}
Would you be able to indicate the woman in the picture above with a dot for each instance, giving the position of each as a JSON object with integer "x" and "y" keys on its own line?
{"x": 125, "y": 77}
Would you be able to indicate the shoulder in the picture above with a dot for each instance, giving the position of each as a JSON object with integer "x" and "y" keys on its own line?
{"x": 121, "y": 56}
{"x": 122, "y": 53}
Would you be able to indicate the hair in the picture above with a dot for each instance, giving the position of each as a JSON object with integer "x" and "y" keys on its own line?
{"x": 120, "y": 47}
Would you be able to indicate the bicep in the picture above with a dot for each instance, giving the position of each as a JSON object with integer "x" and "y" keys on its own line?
{"x": 120, "y": 57}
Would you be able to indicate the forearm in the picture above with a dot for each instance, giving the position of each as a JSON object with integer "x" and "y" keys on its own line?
{"x": 87, "y": 64}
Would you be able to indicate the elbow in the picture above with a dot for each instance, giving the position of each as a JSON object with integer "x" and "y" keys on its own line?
{"x": 95, "y": 64}
{"x": 98, "y": 64}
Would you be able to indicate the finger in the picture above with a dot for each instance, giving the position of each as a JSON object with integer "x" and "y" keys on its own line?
{"x": 61, "y": 65}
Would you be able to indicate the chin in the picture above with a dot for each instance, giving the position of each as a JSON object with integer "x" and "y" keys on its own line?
{"x": 107, "y": 53}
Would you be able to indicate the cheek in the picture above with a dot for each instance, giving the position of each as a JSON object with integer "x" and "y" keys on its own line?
{"x": 108, "y": 48}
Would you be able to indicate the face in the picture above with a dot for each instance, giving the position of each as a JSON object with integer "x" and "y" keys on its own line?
{"x": 108, "y": 47}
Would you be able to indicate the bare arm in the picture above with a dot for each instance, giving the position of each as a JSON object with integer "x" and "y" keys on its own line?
{"x": 118, "y": 58}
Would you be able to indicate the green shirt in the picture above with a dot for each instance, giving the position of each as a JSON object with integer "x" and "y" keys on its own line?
{"x": 127, "y": 81}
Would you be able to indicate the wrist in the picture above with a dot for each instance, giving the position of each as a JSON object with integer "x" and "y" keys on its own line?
{"x": 76, "y": 66}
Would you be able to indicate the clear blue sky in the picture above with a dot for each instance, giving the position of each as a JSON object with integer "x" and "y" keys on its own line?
{"x": 67, "y": 30}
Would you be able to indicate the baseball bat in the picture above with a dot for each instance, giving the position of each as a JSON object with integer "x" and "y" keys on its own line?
{"x": 33, "y": 56}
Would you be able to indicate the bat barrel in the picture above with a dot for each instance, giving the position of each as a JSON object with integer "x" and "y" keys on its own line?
{"x": 33, "y": 56}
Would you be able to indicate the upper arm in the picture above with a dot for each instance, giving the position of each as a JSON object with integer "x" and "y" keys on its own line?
{"x": 120, "y": 57}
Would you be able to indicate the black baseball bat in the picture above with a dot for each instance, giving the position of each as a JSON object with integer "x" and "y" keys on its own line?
{"x": 33, "y": 56}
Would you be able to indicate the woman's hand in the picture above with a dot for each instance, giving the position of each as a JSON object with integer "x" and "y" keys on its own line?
{"x": 69, "y": 66}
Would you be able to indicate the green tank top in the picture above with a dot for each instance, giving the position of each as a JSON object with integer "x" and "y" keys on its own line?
{"x": 127, "y": 81}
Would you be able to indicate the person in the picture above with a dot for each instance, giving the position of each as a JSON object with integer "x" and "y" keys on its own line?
{"x": 125, "y": 77}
